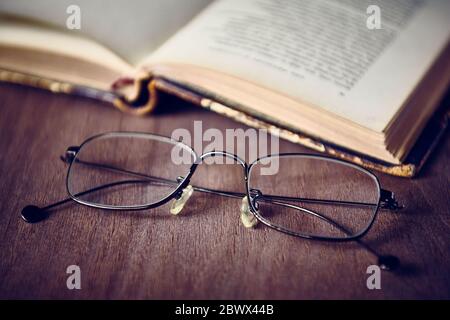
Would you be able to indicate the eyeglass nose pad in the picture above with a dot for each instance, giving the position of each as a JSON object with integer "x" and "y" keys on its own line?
{"x": 248, "y": 219}
{"x": 179, "y": 202}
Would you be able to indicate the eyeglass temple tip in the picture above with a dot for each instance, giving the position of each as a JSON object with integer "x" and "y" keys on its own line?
{"x": 388, "y": 262}
{"x": 33, "y": 214}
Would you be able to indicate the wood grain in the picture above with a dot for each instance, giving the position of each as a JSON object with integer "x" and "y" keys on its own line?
{"x": 205, "y": 253}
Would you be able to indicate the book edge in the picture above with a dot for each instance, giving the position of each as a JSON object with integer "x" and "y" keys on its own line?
{"x": 146, "y": 101}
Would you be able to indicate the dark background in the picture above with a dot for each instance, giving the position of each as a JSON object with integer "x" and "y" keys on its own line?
{"x": 205, "y": 253}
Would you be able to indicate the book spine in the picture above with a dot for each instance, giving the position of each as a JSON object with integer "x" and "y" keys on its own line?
{"x": 56, "y": 86}
{"x": 144, "y": 102}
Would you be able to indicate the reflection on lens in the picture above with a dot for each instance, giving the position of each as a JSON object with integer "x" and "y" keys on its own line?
{"x": 126, "y": 170}
{"x": 315, "y": 196}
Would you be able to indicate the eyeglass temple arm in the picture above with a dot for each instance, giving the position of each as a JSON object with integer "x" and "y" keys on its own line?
{"x": 228, "y": 194}
{"x": 387, "y": 198}
{"x": 312, "y": 213}
{"x": 33, "y": 214}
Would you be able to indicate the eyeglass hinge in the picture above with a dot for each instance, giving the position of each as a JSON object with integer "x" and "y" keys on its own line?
{"x": 388, "y": 200}
{"x": 255, "y": 193}
{"x": 70, "y": 154}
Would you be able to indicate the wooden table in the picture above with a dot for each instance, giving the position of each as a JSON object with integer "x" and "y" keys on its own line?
{"x": 206, "y": 253}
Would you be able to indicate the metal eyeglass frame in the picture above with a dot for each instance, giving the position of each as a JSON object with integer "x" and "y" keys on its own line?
{"x": 386, "y": 199}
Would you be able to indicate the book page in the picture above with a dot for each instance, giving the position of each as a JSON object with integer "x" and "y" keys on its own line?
{"x": 16, "y": 34}
{"x": 319, "y": 52}
{"x": 131, "y": 29}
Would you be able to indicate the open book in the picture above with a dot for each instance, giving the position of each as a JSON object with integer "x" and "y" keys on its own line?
{"x": 312, "y": 68}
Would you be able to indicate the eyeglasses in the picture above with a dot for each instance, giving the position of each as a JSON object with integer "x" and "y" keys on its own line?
{"x": 307, "y": 196}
